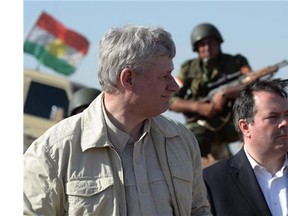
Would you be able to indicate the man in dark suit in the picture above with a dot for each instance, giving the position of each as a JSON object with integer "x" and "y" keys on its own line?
{"x": 255, "y": 180}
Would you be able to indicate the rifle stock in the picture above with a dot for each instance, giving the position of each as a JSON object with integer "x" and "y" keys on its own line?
{"x": 263, "y": 72}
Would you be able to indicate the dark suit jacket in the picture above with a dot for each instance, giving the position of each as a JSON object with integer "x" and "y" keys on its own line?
{"x": 233, "y": 189}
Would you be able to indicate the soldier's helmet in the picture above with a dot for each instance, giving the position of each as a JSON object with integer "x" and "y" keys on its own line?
{"x": 202, "y": 31}
{"x": 82, "y": 98}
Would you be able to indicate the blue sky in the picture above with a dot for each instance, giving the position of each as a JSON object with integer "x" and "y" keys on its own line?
{"x": 257, "y": 30}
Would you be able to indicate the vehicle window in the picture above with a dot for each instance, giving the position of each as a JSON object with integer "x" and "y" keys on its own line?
{"x": 45, "y": 101}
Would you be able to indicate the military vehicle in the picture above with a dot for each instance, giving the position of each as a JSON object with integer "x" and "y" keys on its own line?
{"x": 46, "y": 99}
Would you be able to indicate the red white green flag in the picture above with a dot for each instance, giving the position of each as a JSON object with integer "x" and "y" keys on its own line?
{"x": 56, "y": 46}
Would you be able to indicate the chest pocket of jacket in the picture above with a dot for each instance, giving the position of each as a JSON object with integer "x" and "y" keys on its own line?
{"x": 85, "y": 196}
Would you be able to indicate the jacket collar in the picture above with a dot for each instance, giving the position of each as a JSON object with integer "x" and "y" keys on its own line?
{"x": 94, "y": 128}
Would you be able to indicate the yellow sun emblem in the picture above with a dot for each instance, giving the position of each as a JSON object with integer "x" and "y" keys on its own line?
{"x": 57, "y": 48}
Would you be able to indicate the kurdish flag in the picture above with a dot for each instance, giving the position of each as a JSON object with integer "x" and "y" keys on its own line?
{"x": 56, "y": 46}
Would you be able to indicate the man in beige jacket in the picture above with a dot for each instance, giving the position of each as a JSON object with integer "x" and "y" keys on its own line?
{"x": 120, "y": 156}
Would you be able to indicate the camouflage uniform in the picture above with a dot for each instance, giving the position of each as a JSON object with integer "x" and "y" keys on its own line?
{"x": 196, "y": 80}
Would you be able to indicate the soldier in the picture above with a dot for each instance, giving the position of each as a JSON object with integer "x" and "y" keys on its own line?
{"x": 81, "y": 99}
{"x": 208, "y": 116}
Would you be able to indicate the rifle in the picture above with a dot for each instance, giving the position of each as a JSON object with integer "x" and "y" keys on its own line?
{"x": 245, "y": 79}
{"x": 237, "y": 79}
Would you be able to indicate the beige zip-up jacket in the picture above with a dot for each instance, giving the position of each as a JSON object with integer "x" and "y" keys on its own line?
{"x": 73, "y": 169}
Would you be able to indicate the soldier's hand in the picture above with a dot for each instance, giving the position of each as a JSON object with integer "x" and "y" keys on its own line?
{"x": 219, "y": 101}
{"x": 207, "y": 110}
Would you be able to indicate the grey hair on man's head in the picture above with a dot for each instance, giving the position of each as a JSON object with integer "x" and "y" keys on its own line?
{"x": 133, "y": 47}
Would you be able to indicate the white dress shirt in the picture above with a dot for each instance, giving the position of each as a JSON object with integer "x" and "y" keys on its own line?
{"x": 274, "y": 187}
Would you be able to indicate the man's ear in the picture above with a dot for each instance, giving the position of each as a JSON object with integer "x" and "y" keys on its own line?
{"x": 126, "y": 78}
{"x": 244, "y": 127}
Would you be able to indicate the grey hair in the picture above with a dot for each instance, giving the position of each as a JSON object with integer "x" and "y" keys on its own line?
{"x": 133, "y": 47}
